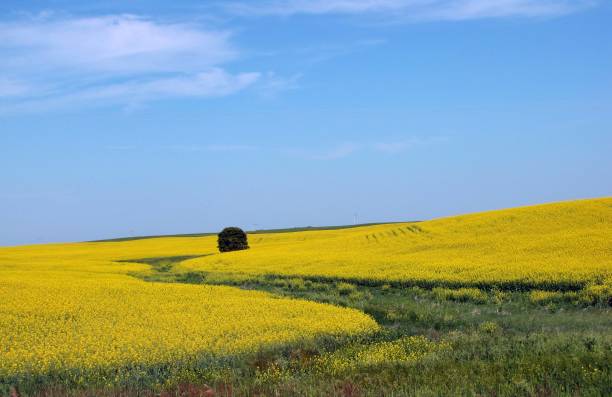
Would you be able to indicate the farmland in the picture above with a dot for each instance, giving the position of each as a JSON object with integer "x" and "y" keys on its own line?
{"x": 509, "y": 302}
{"x": 558, "y": 246}
{"x": 76, "y": 320}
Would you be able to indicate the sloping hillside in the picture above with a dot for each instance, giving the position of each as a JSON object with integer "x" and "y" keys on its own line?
{"x": 71, "y": 315}
{"x": 553, "y": 246}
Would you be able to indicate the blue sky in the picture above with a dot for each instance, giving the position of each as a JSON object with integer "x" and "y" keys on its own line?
{"x": 144, "y": 117}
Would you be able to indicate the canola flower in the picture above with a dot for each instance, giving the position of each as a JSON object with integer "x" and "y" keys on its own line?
{"x": 359, "y": 357}
{"x": 69, "y": 314}
{"x": 404, "y": 351}
{"x": 554, "y": 246}
{"x": 72, "y": 311}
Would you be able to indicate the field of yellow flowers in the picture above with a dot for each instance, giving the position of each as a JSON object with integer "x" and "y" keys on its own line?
{"x": 556, "y": 246}
{"x": 74, "y": 313}
{"x": 70, "y": 315}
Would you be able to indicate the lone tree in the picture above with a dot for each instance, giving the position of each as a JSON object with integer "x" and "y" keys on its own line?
{"x": 232, "y": 239}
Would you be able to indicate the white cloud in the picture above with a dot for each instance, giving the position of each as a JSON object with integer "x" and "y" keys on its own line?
{"x": 121, "y": 59}
{"x": 114, "y": 44}
{"x": 475, "y": 9}
{"x": 132, "y": 94}
{"x": 416, "y": 9}
{"x": 274, "y": 85}
{"x": 215, "y": 82}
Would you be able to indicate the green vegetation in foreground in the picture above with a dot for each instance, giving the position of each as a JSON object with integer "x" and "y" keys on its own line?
{"x": 434, "y": 342}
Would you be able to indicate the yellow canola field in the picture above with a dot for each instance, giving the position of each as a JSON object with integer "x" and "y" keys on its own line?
{"x": 68, "y": 309}
{"x": 560, "y": 245}
{"x": 66, "y": 306}
{"x": 101, "y": 257}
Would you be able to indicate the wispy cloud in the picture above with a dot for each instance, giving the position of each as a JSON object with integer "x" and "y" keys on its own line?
{"x": 329, "y": 50}
{"x": 214, "y": 82}
{"x": 112, "y": 59}
{"x": 113, "y": 44}
{"x": 415, "y": 9}
{"x": 273, "y": 85}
